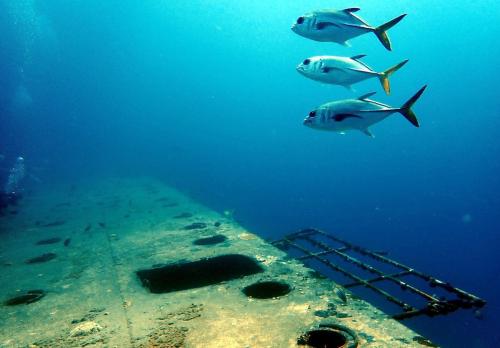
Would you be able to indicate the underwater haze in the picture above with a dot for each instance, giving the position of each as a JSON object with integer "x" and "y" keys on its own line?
{"x": 204, "y": 95}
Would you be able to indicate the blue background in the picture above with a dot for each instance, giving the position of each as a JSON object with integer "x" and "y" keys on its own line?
{"x": 204, "y": 95}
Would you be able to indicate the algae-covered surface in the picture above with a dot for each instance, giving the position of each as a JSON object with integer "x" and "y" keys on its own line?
{"x": 100, "y": 235}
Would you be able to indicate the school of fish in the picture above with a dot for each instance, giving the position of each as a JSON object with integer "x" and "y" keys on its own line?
{"x": 348, "y": 114}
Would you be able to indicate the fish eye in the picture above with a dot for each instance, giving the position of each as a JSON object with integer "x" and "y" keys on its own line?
{"x": 312, "y": 114}
{"x": 300, "y": 20}
{"x": 306, "y": 62}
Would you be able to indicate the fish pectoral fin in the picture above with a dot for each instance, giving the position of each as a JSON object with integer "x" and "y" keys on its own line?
{"x": 327, "y": 69}
{"x": 342, "y": 117}
{"x": 367, "y": 132}
{"x": 323, "y": 25}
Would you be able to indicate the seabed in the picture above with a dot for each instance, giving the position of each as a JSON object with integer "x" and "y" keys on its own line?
{"x": 135, "y": 263}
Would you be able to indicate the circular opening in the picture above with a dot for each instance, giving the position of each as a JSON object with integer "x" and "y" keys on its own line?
{"x": 268, "y": 289}
{"x": 323, "y": 339}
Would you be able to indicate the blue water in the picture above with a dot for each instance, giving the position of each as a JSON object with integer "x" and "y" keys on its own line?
{"x": 204, "y": 95}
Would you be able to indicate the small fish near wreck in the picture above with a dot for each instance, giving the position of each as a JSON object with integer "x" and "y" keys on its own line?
{"x": 341, "y": 294}
{"x": 51, "y": 224}
{"x": 28, "y": 297}
{"x": 340, "y": 26}
{"x": 195, "y": 226}
{"x": 42, "y": 258}
{"x": 359, "y": 114}
{"x": 183, "y": 215}
{"x": 53, "y": 240}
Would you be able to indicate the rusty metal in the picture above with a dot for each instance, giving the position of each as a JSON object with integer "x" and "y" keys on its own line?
{"x": 322, "y": 242}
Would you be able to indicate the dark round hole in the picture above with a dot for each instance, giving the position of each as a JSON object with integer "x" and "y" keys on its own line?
{"x": 268, "y": 289}
{"x": 323, "y": 339}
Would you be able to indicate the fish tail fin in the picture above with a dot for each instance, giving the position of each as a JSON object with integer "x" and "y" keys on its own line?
{"x": 384, "y": 76}
{"x": 381, "y": 31}
{"x": 406, "y": 110}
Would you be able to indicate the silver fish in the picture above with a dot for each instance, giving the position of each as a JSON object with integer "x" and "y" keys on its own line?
{"x": 340, "y": 26}
{"x": 360, "y": 114}
{"x": 341, "y": 294}
{"x": 344, "y": 71}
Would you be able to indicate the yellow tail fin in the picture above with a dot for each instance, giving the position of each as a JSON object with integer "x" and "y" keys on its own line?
{"x": 406, "y": 110}
{"x": 381, "y": 31}
{"x": 384, "y": 76}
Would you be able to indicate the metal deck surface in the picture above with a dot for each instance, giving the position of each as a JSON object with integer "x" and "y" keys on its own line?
{"x": 114, "y": 228}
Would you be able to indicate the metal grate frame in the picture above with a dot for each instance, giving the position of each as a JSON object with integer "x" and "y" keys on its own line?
{"x": 323, "y": 243}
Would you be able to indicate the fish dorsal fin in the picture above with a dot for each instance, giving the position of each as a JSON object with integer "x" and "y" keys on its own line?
{"x": 358, "y": 57}
{"x": 351, "y": 12}
{"x": 351, "y": 9}
{"x": 366, "y": 96}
